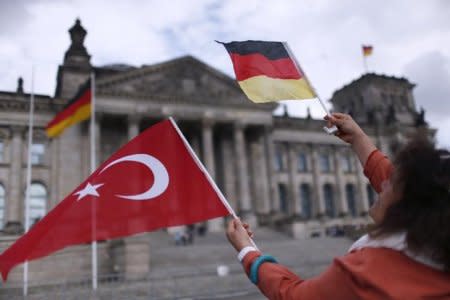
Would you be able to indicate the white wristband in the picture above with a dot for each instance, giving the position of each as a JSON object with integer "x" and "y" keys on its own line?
{"x": 244, "y": 252}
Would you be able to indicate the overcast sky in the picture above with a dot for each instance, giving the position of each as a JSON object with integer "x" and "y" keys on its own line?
{"x": 410, "y": 38}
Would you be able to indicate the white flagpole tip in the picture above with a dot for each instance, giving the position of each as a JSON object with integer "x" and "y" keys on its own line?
{"x": 330, "y": 130}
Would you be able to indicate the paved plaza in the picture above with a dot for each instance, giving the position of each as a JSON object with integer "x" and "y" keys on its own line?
{"x": 190, "y": 272}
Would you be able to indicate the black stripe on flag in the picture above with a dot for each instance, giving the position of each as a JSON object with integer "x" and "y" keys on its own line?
{"x": 271, "y": 50}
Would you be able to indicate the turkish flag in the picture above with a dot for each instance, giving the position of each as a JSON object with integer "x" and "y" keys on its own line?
{"x": 150, "y": 183}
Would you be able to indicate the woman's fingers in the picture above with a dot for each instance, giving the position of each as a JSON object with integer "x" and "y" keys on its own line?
{"x": 247, "y": 228}
{"x": 231, "y": 226}
{"x": 339, "y": 115}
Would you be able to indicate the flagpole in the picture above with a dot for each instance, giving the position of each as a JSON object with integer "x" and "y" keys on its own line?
{"x": 211, "y": 181}
{"x": 366, "y": 70}
{"x": 28, "y": 183}
{"x": 330, "y": 130}
{"x": 93, "y": 164}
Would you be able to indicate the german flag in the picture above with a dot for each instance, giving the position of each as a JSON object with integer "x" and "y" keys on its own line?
{"x": 78, "y": 109}
{"x": 266, "y": 71}
{"x": 367, "y": 50}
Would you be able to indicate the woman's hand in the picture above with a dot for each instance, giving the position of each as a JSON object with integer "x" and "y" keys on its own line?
{"x": 348, "y": 131}
{"x": 239, "y": 234}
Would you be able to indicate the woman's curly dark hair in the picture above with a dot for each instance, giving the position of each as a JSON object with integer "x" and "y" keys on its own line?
{"x": 423, "y": 177}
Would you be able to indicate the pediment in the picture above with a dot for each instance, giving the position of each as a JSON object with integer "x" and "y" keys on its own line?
{"x": 185, "y": 79}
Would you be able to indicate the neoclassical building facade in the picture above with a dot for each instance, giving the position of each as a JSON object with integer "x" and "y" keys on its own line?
{"x": 276, "y": 171}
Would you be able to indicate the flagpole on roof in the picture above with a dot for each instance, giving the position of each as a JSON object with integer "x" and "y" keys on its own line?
{"x": 205, "y": 171}
{"x": 366, "y": 70}
{"x": 28, "y": 183}
{"x": 93, "y": 164}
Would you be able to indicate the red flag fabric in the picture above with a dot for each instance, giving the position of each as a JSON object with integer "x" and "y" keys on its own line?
{"x": 150, "y": 183}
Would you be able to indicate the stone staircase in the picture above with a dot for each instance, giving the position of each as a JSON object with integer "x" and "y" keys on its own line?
{"x": 190, "y": 272}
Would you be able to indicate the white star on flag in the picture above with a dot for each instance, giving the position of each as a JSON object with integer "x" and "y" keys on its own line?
{"x": 89, "y": 189}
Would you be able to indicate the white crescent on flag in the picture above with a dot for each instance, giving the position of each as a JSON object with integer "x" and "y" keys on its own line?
{"x": 161, "y": 177}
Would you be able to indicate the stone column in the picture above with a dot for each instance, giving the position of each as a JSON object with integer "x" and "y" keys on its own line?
{"x": 98, "y": 139}
{"x": 133, "y": 126}
{"x": 54, "y": 172}
{"x": 15, "y": 192}
{"x": 85, "y": 137}
{"x": 208, "y": 148}
{"x": 319, "y": 204}
{"x": 340, "y": 189}
{"x": 294, "y": 205}
{"x": 229, "y": 176}
{"x": 270, "y": 154}
{"x": 214, "y": 225}
{"x": 259, "y": 177}
{"x": 264, "y": 176}
{"x": 242, "y": 174}
{"x": 363, "y": 203}
{"x": 195, "y": 144}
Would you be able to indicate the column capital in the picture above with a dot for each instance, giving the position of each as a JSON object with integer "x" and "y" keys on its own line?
{"x": 17, "y": 129}
{"x": 208, "y": 122}
{"x": 5, "y": 133}
{"x": 239, "y": 125}
{"x": 268, "y": 128}
{"x": 133, "y": 125}
{"x": 99, "y": 115}
{"x": 38, "y": 134}
{"x": 134, "y": 118}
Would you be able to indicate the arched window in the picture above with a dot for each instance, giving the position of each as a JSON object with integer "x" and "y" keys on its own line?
{"x": 38, "y": 202}
{"x": 350, "y": 194}
{"x": 282, "y": 191}
{"x": 2, "y": 206}
{"x": 330, "y": 211}
{"x": 370, "y": 194}
{"x": 305, "y": 198}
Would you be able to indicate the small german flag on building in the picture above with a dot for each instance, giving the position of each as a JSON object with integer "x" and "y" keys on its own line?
{"x": 367, "y": 50}
{"x": 267, "y": 71}
{"x": 78, "y": 109}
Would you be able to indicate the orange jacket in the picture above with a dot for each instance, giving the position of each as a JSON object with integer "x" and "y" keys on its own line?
{"x": 368, "y": 273}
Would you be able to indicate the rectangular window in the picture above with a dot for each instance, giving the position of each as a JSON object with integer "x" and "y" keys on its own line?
{"x": 325, "y": 165}
{"x": 37, "y": 154}
{"x": 282, "y": 191}
{"x": 279, "y": 162}
{"x": 302, "y": 163}
{"x": 346, "y": 162}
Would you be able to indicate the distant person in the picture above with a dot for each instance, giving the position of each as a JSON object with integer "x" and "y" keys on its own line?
{"x": 178, "y": 238}
{"x": 407, "y": 253}
{"x": 201, "y": 229}
{"x": 190, "y": 230}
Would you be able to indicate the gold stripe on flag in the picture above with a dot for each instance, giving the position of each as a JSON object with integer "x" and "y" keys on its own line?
{"x": 262, "y": 89}
{"x": 81, "y": 114}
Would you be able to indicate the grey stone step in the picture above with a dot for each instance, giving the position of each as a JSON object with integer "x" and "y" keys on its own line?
{"x": 190, "y": 272}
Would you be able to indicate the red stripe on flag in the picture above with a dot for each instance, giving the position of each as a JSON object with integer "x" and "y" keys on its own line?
{"x": 246, "y": 66}
{"x": 85, "y": 98}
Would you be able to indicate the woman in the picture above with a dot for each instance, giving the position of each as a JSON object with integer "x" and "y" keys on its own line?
{"x": 407, "y": 253}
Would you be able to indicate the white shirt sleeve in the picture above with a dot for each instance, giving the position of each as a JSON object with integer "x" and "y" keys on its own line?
{"x": 244, "y": 252}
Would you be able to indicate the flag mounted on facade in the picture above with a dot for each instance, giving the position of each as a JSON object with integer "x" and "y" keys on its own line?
{"x": 77, "y": 110}
{"x": 267, "y": 71}
{"x": 367, "y": 50}
{"x": 150, "y": 183}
